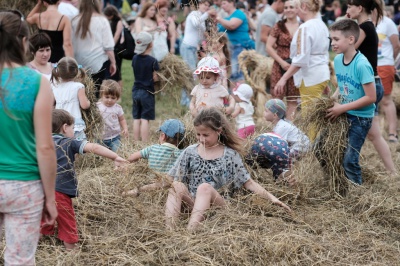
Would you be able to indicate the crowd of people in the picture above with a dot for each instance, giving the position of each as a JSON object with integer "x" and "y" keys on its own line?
{"x": 41, "y": 100}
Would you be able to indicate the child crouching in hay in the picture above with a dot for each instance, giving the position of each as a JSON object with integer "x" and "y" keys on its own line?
{"x": 205, "y": 168}
{"x": 161, "y": 157}
{"x": 66, "y": 183}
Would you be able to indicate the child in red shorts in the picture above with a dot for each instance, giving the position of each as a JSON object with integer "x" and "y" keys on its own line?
{"x": 66, "y": 183}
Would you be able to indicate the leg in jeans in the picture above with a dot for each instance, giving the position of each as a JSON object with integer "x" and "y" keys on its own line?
{"x": 237, "y": 74}
{"x": 21, "y": 211}
{"x": 358, "y": 130}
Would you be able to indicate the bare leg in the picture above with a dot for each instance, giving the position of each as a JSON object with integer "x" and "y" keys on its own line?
{"x": 70, "y": 246}
{"x": 176, "y": 195}
{"x": 144, "y": 130}
{"x": 136, "y": 129}
{"x": 389, "y": 109}
{"x": 381, "y": 146}
{"x": 205, "y": 197}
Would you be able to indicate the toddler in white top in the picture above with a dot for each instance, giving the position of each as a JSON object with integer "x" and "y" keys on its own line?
{"x": 210, "y": 92}
{"x": 244, "y": 110}
{"x": 275, "y": 112}
{"x": 69, "y": 94}
{"x": 112, "y": 113}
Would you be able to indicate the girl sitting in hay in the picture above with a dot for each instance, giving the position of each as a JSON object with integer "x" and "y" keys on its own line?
{"x": 203, "y": 169}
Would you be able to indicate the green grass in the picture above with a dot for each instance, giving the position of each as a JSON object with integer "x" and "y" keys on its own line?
{"x": 167, "y": 103}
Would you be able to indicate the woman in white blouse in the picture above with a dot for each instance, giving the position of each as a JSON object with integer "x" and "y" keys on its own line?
{"x": 94, "y": 42}
{"x": 309, "y": 53}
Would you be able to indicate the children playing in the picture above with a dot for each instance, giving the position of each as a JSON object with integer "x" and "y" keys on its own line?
{"x": 161, "y": 157}
{"x": 244, "y": 110}
{"x": 357, "y": 92}
{"x": 275, "y": 112}
{"x": 66, "y": 183}
{"x": 69, "y": 94}
{"x": 205, "y": 168}
{"x": 112, "y": 113}
{"x": 209, "y": 93}
{"x": 144, "y": 68}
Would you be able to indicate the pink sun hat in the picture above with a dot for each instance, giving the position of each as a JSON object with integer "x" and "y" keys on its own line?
{"x": 208, "y": 64}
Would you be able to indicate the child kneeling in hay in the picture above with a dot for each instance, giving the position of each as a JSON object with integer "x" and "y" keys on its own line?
{"x": 66, "y": 183}
{"x": 356, "y": 90}
{"x": 161, "y": 157}
{"x": 205, "y": 168}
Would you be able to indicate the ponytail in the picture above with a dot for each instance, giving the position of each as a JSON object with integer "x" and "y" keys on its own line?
{"x": 67, "y": 69}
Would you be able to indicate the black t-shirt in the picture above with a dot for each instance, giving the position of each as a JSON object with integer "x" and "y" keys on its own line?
{"x": 369, "y": 47}
{"x": 143, "y": 68}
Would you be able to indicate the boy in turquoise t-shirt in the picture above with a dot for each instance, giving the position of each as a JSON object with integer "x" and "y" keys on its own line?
{"x": 357, "y": 92}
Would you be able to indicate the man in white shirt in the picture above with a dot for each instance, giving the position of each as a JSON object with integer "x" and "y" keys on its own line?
{"x": 265, "y": 23}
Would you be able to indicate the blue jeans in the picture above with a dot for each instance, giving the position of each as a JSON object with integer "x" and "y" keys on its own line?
{"x": 113, "y": 144}
{"x": 189, "y": 55}
{"x": 358, "y": 130}
{"x": 237, "y": 74}
{"x": 379, "y": 94}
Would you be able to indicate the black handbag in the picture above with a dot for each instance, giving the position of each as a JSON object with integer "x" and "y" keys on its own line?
{"x": 125, "y": 48}
{"x": 289, "y": 60}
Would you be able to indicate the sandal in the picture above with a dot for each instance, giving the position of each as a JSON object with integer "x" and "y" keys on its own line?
{"x": 393, "y": 138}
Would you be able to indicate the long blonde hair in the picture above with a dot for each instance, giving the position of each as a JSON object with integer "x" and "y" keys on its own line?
{"x": 86, "y": 10}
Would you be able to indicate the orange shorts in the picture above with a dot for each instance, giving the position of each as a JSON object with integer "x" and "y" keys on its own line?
{"x": 386, "y": 73}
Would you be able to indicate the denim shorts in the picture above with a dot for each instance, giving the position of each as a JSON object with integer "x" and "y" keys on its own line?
{"x": 113, "y": 144}
{"x": 144, "y": 105}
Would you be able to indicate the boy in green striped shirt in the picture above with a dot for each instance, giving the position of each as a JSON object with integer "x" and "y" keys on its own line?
{"x": 161, "y": 157}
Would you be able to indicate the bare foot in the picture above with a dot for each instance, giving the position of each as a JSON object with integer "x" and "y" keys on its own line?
{"x": 70, "y": 246}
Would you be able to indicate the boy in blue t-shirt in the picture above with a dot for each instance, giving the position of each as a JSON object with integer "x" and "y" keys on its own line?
{"x": 144, "y": 68}
{"x": 357, "y": 92}
{"x": 66, "y": 182}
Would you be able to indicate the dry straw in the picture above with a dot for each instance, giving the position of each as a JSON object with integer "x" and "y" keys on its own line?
{"x": 331, "y": 141}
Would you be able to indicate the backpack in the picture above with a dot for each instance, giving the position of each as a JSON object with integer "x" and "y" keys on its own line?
{"x": 125, "y": 49}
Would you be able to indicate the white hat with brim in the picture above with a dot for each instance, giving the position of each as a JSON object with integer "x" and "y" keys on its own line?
{"x": 142, "y": 41}
{"x": 244, "y": 92}
{"x": 208, "y": 64}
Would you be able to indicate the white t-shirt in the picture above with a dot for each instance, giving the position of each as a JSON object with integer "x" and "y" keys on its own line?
{"x": 66, "y": 95}
{"x": 245, "y": 119}
{"x": 309, "y": 51}
{"x": 385, "y": 29}
{"x": 111, "y": 117}
{"x": 297, "y": 140}
{"x": 68, "y": 10}
{"x": 194, "y": 28}
{"x": 91, "y": 51}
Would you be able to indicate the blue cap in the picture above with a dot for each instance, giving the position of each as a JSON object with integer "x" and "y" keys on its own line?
{"x": 173, "y": 126}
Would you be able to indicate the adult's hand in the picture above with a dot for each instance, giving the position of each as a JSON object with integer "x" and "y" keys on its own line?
{"x": 113, "y": 69}
{"x": 279, "y": 87}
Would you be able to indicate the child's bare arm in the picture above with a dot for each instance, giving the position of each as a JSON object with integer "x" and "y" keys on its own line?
{"x": 256, "y": 188}
{"x": 124, "y": 125}
{"x": 135, "y": 157}
{"x": 104, "y": 152}
{"x": 83, "y": 100}
{"x": 155, "y": 76}
{"x": 369, "y": 98}
{"x": 231, "y": 106}
{"x": 237, "y": 111}
{"x": 335, "y": 95}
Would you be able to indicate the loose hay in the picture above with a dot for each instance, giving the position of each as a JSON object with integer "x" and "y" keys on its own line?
{"x": 257, "y": 70}
{"x": 92, "y": 117}
{"x": 331, "y": 141}
{"x": 174, "y": 74}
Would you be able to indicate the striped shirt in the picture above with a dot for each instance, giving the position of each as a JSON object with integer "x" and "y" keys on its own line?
{"x": 162, "y": 157}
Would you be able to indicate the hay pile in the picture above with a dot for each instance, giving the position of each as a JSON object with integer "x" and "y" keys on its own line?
{"x": 362, "y": 228}
{"x": 175, "y": 74}
{"x": 331, "y": 141}
{"x": 257, "y": 70}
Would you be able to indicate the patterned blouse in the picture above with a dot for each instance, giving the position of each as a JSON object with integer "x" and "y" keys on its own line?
{"x": 225, "y": 173}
